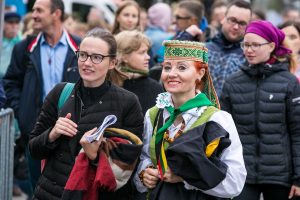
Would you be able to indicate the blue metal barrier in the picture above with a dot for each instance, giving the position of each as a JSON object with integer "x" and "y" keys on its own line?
{"x": 6, "y": 153}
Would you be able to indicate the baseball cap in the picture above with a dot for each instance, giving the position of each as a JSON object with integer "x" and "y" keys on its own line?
{"x": 12, "y": 17}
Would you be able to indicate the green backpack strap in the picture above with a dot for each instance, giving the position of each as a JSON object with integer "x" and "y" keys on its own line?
{"x": 64, "y": 95}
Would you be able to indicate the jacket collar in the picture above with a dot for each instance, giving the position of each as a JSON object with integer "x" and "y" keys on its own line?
{"x": 33, "y": 44}
{"x": 265, "y": 69}
{"x": 224, "y": 43}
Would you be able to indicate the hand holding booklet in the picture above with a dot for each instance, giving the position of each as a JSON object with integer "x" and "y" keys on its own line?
{"x": 108, "y": 120}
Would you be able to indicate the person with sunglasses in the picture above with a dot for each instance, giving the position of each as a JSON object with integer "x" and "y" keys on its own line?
{"x": 74, "y": 166}
{"x": 264, "y": 100}
{"x": 188, "y": 17}
{"x": 189, "y": 20}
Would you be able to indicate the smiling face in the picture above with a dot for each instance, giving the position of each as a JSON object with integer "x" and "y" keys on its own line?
{"x": 179, "y": 77}
{"x": 93, "y": 75}
{"x": 262, "y": 51}
{"x": 138, "y": 59}
{"x": 42, "y": 16}
{"x": 128, "y": 18}
{"x": 44, "y": 19}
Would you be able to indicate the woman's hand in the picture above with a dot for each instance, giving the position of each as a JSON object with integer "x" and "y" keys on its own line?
{"x": 150, "y": 178}
{"x": 90, "y": 149}
{"x": 170, "y": 177}
{"x": 295, "y": 191}
{"x": 194, "y": 30}
{"x": 63, "y": 126}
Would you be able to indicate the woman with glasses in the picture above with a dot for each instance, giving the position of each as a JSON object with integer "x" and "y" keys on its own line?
{"x": 264, "y": 100}
{"x": 191, "y": 148}
{"x": 75, "y": 168}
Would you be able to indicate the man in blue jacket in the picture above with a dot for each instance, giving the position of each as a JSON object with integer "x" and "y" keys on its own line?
{"x": 225, "y": 54}
{"x": 37, "y": 64}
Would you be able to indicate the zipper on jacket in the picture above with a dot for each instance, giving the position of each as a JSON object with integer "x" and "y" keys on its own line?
{"x": 81, "y": 107}
{"x": 257, "y": 135}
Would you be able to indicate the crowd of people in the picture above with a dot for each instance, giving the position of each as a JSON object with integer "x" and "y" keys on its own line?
{"x": 205, "y": 106}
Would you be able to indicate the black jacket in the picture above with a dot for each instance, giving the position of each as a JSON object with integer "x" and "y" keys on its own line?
{"x": 23, "y": 81}
{"x": 60, "y": 154}
{"x": 146, "y": 89}
{"x": 264, "y": 101}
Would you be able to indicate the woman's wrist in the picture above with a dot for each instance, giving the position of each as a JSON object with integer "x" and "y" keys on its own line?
{"x": 52, "y": 136}
{"x": 141, "y": 174}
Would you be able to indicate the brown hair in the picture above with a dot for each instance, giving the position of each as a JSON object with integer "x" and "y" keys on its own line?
{"x": 195, "y": 8}
{"x": 116, "y": 26}
{"x": 58, "y": 5}
{"x": 239, "y": 4}
{"x": 129, "y": 41}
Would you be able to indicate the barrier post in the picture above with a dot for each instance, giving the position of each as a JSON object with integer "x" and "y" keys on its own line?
{"x": 7, "y": 136}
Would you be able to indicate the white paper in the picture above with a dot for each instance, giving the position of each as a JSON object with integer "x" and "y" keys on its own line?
{"x": 108, "y": 120}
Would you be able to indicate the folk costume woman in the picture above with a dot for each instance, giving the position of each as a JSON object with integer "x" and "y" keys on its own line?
{"x": 76, "y": 168}
{"x": 264, "y": 100}
{"x": 191, "y": 148}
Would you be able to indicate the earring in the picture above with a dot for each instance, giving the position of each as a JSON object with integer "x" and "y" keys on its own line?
{"x": 197, "y": 91}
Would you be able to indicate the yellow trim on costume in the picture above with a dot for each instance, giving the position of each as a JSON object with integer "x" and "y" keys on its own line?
{"x": 164, "y": 158}
{"x": 211, "y": 147}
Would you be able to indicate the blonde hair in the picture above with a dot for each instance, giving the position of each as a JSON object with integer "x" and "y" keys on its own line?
{"x": 128, "y": 42}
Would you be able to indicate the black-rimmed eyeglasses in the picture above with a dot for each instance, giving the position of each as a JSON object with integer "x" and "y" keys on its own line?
{"x": 233, "y": 21}
{"x": 253, "y": 46}
{"x": 95, "y": 58}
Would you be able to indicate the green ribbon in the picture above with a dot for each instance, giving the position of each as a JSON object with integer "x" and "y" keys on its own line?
{"x": 197, "y": 101}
